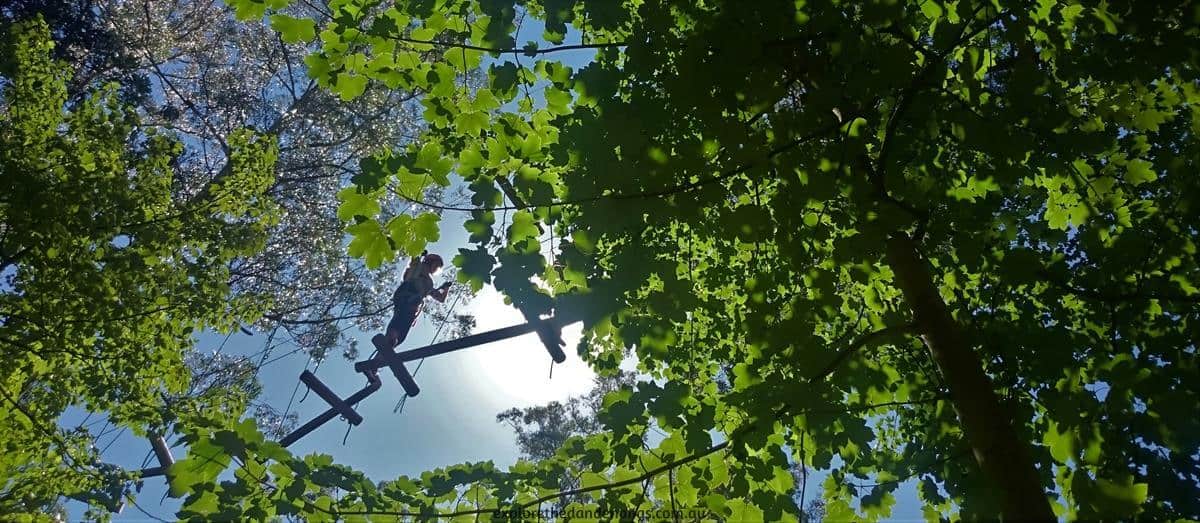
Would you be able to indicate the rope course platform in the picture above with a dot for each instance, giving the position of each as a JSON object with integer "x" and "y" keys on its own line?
{"x": 549, "y": 331}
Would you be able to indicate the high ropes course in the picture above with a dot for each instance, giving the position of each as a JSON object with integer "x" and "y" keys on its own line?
{"x": 549, "y": 331}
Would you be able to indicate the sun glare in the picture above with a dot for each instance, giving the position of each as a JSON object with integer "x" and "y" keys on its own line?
{"x": 517, "y": 370}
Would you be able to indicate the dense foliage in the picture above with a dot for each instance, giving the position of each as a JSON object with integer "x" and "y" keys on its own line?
{"x": 942, "y": 241}
{"x": 105, "y": 277}
{"x": 85, "y": 42}
{"x": 951, "y": 243}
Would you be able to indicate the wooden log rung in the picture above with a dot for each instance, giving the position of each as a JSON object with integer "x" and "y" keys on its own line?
{"x": 161, "y": 451}
{"x": 407, "y": 382}
{"x": 373, "y": 385}
{"x": 332, "y": 399}
{"x": 153, "y": 471}
{"x": 551, "y": 335}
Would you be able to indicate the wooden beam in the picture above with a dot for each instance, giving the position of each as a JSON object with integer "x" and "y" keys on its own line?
{"x": 153, "y": 471}
{"x": 332, "y": 399}
{"x": 384, "y": 360}
{"x": 407, "y": 382}
{"x": 161, "y": 450}
{"x": 551, "y": 336}
{"x": 373, "y": 385}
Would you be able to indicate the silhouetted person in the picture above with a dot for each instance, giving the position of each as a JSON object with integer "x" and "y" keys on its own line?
{"x": 408, "y": 298}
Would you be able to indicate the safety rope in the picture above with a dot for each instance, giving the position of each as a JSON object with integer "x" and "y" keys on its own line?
{"x": 288, "y": 410}
{"x": 449, "y": 314}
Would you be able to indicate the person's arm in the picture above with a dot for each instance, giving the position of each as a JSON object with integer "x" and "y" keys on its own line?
{"x": 440, "y": 293}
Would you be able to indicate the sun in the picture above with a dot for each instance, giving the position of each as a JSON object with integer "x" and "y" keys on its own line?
{"x": 517, "y": 371}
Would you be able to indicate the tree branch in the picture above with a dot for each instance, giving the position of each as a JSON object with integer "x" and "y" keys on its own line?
{"x": 71, "y": 460}
{"x": 506, "y": 50}
{"x": 10, "y": 260}
{"x": 857, "y": 344}
{"x": 904, "y": 102}
{"x": 1121, "y": 297}
{"x": 278, "y": 318}
{"x": 682, "y": 188}
{"x": 573, "y": 492}
{"x": 162, "y": 76}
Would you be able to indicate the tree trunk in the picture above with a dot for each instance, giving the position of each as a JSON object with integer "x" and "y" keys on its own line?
{"x": 1003, "y": 457}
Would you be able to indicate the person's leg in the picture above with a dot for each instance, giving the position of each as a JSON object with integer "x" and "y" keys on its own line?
{"x": 384, "y": 342}
{"x": 397, "y": 329}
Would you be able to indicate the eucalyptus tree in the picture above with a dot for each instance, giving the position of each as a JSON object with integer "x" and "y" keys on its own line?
{"x": 105, "y": 275}
{"x": 213, "y": 75}
{"x": 950, "y": 243}
{"x": 82, "y": 40}
{"x": 541, "y": 429}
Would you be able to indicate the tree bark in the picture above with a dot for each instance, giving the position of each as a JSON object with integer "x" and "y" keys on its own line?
{"x": 1003, "y": 457}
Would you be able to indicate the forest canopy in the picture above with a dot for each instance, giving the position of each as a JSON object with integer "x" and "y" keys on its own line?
{"x": 947, "y": 244}
{"x": 105, "y": 276}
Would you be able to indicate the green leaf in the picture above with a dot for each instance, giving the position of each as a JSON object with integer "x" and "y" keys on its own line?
{"x": 523, "y": 228}
{"x": 932, "y": 9}
{"x": 557, "y": 101}
{"x": 293, "y": 30}
{"x": 350, "y": 86}
{"x": 1108, "y": 498}
{"x": 319, "y": 69}
{"x": 1062, "y": 444}
{"x": 740, "y": 510}
{"x": 1139, "y": 172}
{"x": 412, "y": 235}
{"x": 475, "y": 267}
{"x": 430, "y": 158}
{"x": 592, "y": 479}
{"x": 463, "y": 59}
{"x": 715, "y": 503}
{"x": 412, "y": 186}
{"x": 248, "y": 9}
{"x": 878, "y": 503}
{"x": 480, "y": 226}
{"x": 840, "y": 510}
{"x": 531, "y": 146}
{"x": 855, "y": 128}
{"x": 1124, "y": 497}
{"x": 503, "y": 80}
{"x": 204, "y": 462}
{"x": 485, "y": 101}
{"x": 369, "y": 242}
{"x": 354, "y": 203}
{"x": 469, "y": 160}
{"x": 471, "y": 123}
